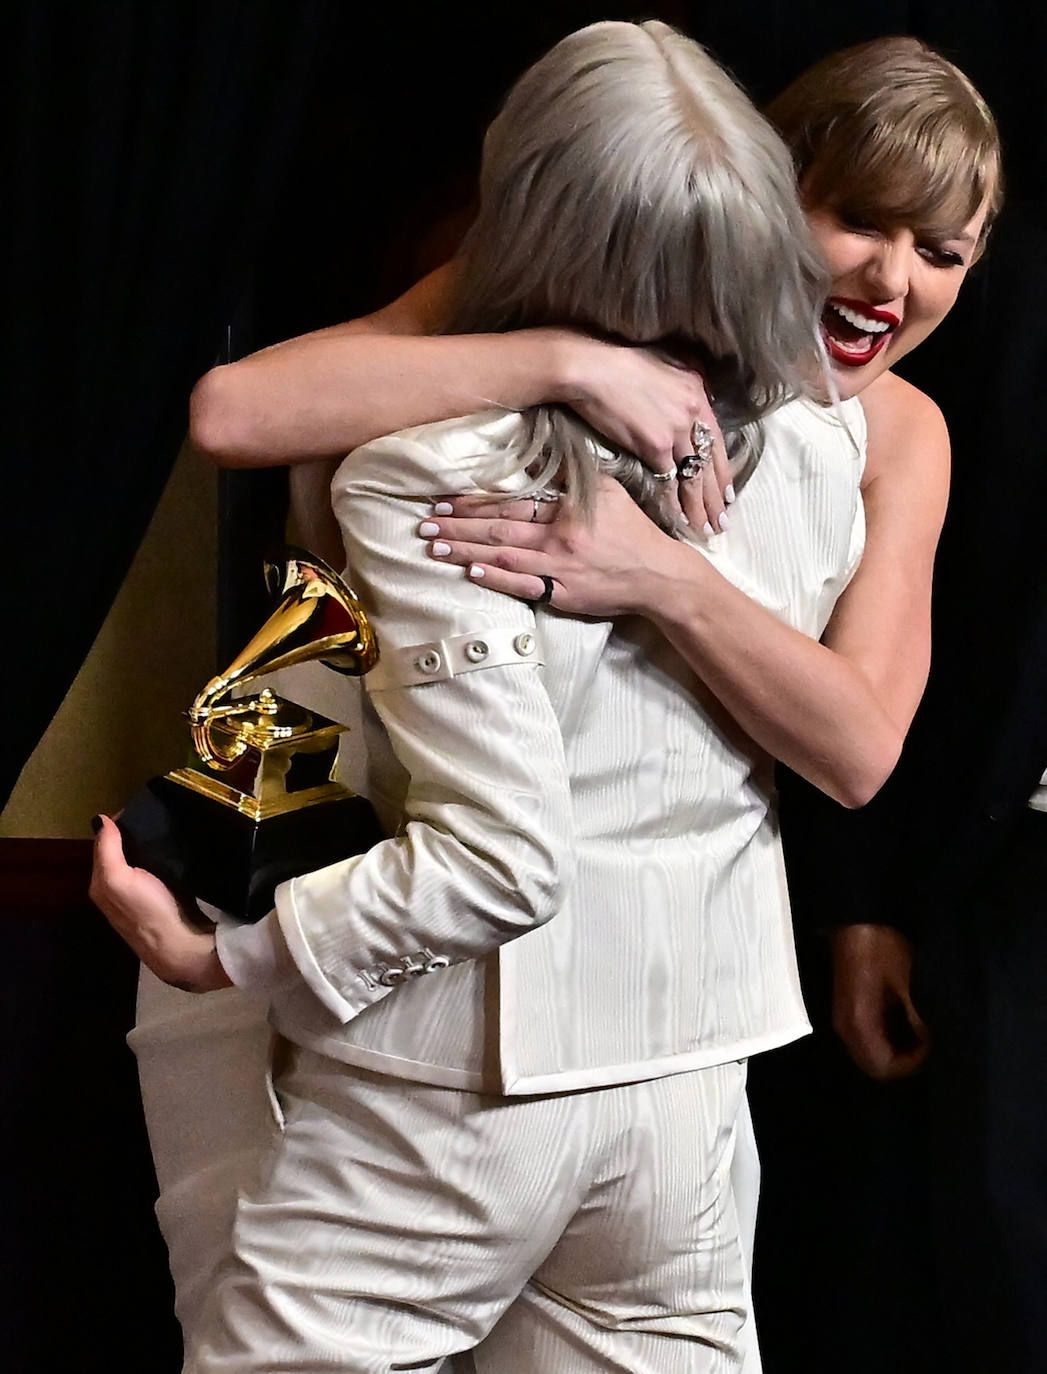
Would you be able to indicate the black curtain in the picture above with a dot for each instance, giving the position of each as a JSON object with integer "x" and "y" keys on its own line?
{"x": 193, "y": 180}
{"x": 148, "y": 148}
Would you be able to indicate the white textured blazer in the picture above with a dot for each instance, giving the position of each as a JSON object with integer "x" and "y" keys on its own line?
{"x": 586, "y": 884}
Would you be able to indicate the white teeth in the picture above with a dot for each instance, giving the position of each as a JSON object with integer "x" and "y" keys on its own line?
{"x": 861, "y": 322}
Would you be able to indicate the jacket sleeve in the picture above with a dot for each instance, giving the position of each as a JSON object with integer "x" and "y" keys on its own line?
{"x": 484, "y": 852}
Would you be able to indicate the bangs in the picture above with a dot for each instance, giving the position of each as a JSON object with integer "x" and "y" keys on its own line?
{"x": 893, "y": 132}
{"x": 922, "y": 172}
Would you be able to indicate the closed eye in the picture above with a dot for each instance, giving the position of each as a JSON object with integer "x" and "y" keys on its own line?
{"x": 939, "y": 256}
{"x": 856, "y": 223}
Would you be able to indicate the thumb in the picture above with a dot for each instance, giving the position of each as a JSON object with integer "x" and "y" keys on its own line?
{"x": 109, "y": 846}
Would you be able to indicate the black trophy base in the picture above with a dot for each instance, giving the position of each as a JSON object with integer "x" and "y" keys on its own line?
{"x": 203, "y": 849}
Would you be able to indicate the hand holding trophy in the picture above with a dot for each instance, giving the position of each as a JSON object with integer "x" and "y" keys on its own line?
{"x": 257, "y": 803}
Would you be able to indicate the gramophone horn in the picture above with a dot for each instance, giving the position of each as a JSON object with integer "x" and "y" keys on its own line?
{"x": 318, "y": 616}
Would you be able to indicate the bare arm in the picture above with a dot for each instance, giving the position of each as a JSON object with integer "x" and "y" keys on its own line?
{"x": 331, "y": 391}
{"x": 326, "y": 393}
{"x": 882, "y": 622}
{"x": 837, "y": 711}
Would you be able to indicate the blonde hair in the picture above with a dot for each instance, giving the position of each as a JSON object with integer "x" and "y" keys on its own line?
{"x": 629, "y": 188}
{"x": 894, "y": 133}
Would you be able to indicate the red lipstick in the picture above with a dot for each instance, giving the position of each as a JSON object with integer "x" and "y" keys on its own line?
{"x": 848, "y": 343}
{"x": 869, "y": 311}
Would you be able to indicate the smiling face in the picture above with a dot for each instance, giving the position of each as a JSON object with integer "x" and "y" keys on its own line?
{"x": 899, "y": 165}
{"x": 891, "y": 285}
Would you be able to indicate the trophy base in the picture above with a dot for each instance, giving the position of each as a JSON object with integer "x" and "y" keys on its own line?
{"x": 205, "y": 850}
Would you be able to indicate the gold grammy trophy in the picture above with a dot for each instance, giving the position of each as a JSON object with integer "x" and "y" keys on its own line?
{"x": 257, "y": 802}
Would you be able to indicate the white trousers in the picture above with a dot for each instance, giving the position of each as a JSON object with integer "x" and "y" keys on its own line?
{"x": 203, "y": 1064}
{"x": 395, "y": 1223}
{"x": 203, "y": 1068}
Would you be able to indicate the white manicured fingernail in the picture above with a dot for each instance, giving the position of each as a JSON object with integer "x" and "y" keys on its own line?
{"x": 724, "y": 522}
{"x": 427, "y": 529}
{"x": 708, "y": 529}
{"x": 440, "y": 549}
{"x": 684, "y": 520}
{"x": 443, "y": 508}
{"x": 728, "y": 493}
{"x": 476, "y": 571}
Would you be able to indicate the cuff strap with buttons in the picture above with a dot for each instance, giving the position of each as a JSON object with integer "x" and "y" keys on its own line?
{"x": 441, "y": 659}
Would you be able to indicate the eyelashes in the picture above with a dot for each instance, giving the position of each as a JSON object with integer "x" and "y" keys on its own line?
{"x": 942, "y": 257}
{"x": 931, "y": 251}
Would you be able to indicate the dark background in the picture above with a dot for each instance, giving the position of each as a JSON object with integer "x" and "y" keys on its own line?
{"x": 191, "y": 181}
{"x": 187, "y": 183}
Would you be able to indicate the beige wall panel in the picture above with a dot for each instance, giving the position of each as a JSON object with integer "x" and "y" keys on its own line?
{"x": 122, "y": 720}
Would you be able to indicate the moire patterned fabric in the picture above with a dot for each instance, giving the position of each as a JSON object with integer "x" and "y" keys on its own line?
{"x": 586, "y": 883}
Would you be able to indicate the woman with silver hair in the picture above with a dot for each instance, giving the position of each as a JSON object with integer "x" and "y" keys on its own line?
{"x": 532, "y": 1153}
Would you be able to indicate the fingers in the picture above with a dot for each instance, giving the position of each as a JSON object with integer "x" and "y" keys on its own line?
{"x": 530, "y": 510}
{"x": 516, "y": 571}
{"x": 705, "y": 489}
{"x": 480, "y": 532}
{"x": 706, "y": 496}
{"x": 884, "y": 1035}
{"x": 701, "y": 512}
{"x": 878, "y": 1058}
{"x": 919, "y": 1033}
{"x": 524, "y": 586}
{"x": 719, "y": 473}
{"x": 529, "y": 563}
{"x": 109, "y": 861}
{"x": 868, "y": 1044}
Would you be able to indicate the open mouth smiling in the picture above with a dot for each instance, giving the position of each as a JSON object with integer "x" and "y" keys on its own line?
{"x": 854, "y": 331}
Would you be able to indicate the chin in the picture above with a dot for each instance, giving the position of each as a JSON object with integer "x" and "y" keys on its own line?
{"x": 849, "y": 381}
{"x": 851, "y": 376}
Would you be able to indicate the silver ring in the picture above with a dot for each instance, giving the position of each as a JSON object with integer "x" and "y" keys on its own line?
{"x": 663, "y": 476}
{"x": 548, "y": 587}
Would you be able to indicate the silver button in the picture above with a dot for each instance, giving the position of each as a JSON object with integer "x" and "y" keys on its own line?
{"x": 412, "y": 969}
{"x": 428, "y": 663}
{"x": 437, "y": 962}
{"x": 524, "y": 644}
{"x": 477, "y": 651}
{"x": 389, "y": 977}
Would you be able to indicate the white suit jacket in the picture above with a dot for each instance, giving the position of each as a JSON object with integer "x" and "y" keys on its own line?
{"x": 585, "y": 884}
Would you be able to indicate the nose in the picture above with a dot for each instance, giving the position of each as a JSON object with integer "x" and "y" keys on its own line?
{"x": 890, "y": 265}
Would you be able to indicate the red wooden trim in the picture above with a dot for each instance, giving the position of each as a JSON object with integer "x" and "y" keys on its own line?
{"x": 43, "y": 877}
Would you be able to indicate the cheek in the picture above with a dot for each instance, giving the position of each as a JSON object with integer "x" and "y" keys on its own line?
{"x": 937, "y": 301}
{"x": 841, "y": 261}
{"x": 836, "y": 249}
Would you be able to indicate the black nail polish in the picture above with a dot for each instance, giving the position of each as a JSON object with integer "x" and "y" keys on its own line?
{"x": 96, "y": 823}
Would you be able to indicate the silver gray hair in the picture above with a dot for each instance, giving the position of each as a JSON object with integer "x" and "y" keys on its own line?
{"x": 631, "y": 189}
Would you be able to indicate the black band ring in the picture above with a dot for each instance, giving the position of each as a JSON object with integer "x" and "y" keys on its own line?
{"x": 691, "y": 466}
{"x": 548, "y": 587}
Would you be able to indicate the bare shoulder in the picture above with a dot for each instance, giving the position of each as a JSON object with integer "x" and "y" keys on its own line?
{"x": 908, "y": 438}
